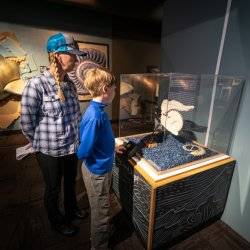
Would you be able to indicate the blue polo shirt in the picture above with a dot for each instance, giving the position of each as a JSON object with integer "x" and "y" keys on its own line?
{"x": 97, "y": 142}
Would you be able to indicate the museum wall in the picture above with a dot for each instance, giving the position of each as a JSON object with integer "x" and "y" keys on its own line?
{"x": 133, "y": 56}
{"x": 236, "y": 60}
{"x": 190, "y": 44}
{"x": 33, "y": 41}
{"x": 32, "y": 26}
{"x": 130, "y": 56}
{"x": 191, "y": 36}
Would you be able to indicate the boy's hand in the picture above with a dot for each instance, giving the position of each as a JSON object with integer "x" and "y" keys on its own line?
{"x": 120, "y": 149}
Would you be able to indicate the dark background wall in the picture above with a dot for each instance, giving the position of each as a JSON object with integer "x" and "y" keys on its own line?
{"x": 132, "y": 56}
{"x": 134, "y": 40}
{"x": 236, "y": 61}
{"x": 191, "y": 35}
{"x": 47, "y": 14}
{"x": 191, "y": 32}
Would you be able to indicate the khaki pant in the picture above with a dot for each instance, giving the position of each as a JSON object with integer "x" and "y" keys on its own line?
{"x": 98, "y": 187}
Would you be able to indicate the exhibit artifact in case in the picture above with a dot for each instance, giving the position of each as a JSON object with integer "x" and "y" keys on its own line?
{"x": 175, "y": 174}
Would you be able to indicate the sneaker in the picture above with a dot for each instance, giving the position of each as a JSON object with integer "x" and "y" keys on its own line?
{"x": 65, "y": 229}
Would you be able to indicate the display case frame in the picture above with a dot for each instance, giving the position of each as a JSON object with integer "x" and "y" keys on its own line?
{"x": 215, "y": 98}
{"x": 144, "y": 192}
{"x": 168, "y": 204}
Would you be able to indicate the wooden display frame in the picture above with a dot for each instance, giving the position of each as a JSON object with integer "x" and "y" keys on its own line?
{"x": 161, "y": 179}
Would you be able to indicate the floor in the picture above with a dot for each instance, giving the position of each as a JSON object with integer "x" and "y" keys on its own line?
{"x": 23, "y": 223}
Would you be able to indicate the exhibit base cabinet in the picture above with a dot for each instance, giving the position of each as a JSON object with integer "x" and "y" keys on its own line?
{"x": 166, "y": 205}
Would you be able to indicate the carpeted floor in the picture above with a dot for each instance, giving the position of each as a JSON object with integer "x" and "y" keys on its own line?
{"x": 24, "y": 226}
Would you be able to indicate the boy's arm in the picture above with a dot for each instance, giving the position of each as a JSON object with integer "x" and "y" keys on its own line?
{"x": 88, "y": 137}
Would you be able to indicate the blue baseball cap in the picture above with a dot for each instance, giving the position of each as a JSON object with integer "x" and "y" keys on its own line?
{"x": 61, "y": 42}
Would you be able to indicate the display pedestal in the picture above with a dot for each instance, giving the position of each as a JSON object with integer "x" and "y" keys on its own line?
{"x": 170, "y": 204}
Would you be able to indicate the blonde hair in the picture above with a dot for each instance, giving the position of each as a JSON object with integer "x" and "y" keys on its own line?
{"x": 96, "y": 79}
{"x": 53, "y": 62}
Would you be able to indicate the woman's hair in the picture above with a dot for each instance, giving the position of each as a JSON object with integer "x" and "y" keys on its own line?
{"x": 97, "y": 78}
{"x": 53, "y": 62}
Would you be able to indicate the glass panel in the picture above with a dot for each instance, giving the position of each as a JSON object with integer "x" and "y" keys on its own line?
{"x": 226, "y": 104}
{"x": 197, "y": 107}
{"x": 137, "y": 103}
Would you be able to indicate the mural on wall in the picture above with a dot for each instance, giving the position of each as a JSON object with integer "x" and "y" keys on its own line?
{"x": 15, "y": 66}
{"x": 95, "y": 55}
{"x": 101, "y": 50}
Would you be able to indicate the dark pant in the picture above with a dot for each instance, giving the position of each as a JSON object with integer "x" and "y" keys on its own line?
{"x": 98, "y": 187}
{"x": 53, "y": 168}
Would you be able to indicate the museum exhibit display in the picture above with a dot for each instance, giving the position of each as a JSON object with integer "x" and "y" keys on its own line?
{"x": 175, "y": 175}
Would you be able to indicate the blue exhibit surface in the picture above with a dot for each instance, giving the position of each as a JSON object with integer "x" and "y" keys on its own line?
{"x": 169, "y": 152}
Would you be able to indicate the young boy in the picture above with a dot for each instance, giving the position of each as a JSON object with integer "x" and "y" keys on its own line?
{"x": 96, "y": 149}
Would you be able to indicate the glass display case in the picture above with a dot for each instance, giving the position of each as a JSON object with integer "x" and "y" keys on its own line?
{"x": 202, "y": 107}
{"x": 176, "y": 172}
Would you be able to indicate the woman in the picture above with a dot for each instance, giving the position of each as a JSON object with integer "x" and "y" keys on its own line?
{"x": 49, "y": 119}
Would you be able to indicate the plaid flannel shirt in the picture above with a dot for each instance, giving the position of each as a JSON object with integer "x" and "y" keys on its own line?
{"x": 52, "y": 126}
